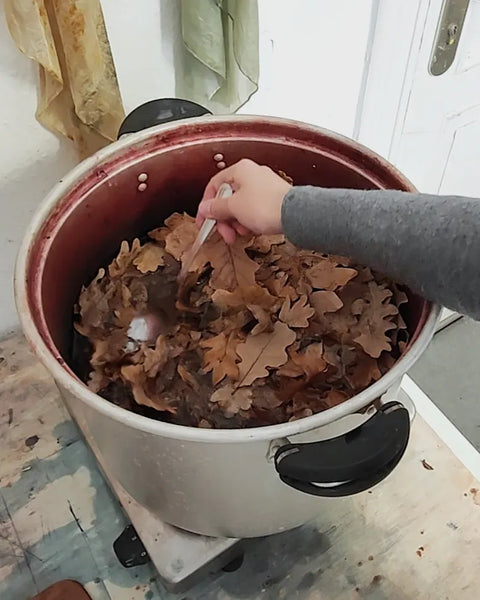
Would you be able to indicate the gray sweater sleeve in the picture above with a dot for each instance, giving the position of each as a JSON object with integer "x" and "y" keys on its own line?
{"x": 430, "y": 243}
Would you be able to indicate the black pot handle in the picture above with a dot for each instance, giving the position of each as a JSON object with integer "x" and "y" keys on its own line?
{"x": 350, "y": 463}
{"x": 160, "y": 111}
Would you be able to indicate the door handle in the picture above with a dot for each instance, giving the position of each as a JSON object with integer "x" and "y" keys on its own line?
{"x": 449, "y": 29}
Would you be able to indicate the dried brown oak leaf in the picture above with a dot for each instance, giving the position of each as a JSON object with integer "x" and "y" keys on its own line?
{"x": 279, "y": 286}
{"x": 220, "y": 357}
{"x": 232, "y": 267}
{"x": 327, "y": 275}
{"x": 154, "y": 359}
{"x": 137, "y": 378}
{"x": 232, "y": 400}
{"x": 244, "y": 296}
{"x": 376, "y": 317}
{"x": 124, "y": 259}
{"x": 264, "y": 243}
{"x": 298, "y": 314}
{"x": 150, "y": 257}
{"x": 309, "y": 362}
{"x": 325, "y": 302}
{"x": 109, "y": 350}
{"x": 160, "y": 233}
{"x": 181, "y": 235}
{"x": 261, "y": 351}
{"x": 362, "y": 371}
{"x": 263, "y": 318}
{"x": 188, "y": 378}
{"x": 234, "y": 322}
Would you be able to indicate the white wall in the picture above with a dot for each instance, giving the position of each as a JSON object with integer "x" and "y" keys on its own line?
{"x": 311, "y": 61}
{"x": 311, "y": 56}
{"x": 31, "y": 161}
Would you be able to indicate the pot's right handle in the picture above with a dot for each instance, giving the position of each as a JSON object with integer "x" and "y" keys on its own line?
{"x": 160, "y": 111}
{"x": 350, "y": 463}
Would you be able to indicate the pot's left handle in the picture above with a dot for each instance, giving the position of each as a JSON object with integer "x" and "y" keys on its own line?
{"x": 349, "y": 463}
{"x": 160, "y": 111}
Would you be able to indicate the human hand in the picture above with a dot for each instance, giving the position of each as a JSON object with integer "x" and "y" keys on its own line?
{"x": 255, "y": 205}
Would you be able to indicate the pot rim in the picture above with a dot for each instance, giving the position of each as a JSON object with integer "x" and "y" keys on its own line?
{"x": 66, "y": 379}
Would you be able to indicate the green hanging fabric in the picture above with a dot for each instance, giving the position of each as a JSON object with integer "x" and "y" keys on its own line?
{"x": 219, "y": 66}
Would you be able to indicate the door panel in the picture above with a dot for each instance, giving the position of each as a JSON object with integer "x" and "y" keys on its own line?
{"x": 428, "y": 126}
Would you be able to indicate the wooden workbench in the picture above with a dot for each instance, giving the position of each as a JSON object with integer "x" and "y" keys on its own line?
{"x": 415, "y": 536}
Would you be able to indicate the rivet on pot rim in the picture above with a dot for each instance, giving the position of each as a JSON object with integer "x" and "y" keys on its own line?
{"x": 221, "y": 165}
{"x": 142, "y": 187}
{"x": 142, "y": 177}
{"x": 218, "y": 157}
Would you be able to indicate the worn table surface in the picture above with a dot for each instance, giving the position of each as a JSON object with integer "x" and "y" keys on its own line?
{"x": 417, "y": 535}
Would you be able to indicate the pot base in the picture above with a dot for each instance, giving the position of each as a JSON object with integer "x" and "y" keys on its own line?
{"x": 181, "y": 558}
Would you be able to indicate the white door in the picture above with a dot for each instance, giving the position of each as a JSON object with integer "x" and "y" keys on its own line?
{"x": 428, "y": 126}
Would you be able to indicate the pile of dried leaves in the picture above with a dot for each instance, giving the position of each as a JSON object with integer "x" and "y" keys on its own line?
{"x": 260, "y": 333}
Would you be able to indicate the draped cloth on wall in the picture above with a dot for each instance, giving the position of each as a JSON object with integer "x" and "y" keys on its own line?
{"x": 78, "y": 95}
{"x": 219, "y": 67}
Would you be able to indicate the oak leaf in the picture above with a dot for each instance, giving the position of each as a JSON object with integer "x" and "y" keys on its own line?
{"x": 234, "y": 322}
{"x": 362, "y": 372}
{"x": 264, "y": 243}
{"x": 326, "y": 275}
{"x": 154, "y": 359}
{"x": 149, "y": 258}
{"x": 261, "y": 351}
{"x": 244, "y": 296}
{"x": 180, "y": 239}
{"x": 325, "y": 301}
{"x": 298, "y": 314}
{"x": 220, "y": 357}
{"x": 263, "y": 317}
{"x": 309, "y": 362}
{"x": 124, "y": 259}
{"x": 375, "y": 317}
{"x": 279, "y": 286}
{"x": 172, "y": 222}
{"x": 188, "y": 378}
{"x": 232, "y": 400}
{"x": 232, "y": 267}
{"x": 137, "y": 378}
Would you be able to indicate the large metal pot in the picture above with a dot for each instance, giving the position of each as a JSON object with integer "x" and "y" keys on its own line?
{"x": 236, "y": 483}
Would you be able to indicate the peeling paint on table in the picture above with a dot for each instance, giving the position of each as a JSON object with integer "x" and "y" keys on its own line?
{"x": 416, "y": 535}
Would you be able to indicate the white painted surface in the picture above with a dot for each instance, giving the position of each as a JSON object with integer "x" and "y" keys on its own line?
{"x": 31, "y": 161}
{"x": 311, "y": 63}
{"x": 427, "y": 126}
{"x": 311, "y": 56}
{"x": 311, "y": 60}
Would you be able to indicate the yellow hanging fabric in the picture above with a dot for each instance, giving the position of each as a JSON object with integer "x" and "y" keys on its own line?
{"x": 79, "y": 95}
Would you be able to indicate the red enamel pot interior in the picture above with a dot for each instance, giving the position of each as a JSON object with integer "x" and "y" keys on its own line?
{"x": 100, "y": 204}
